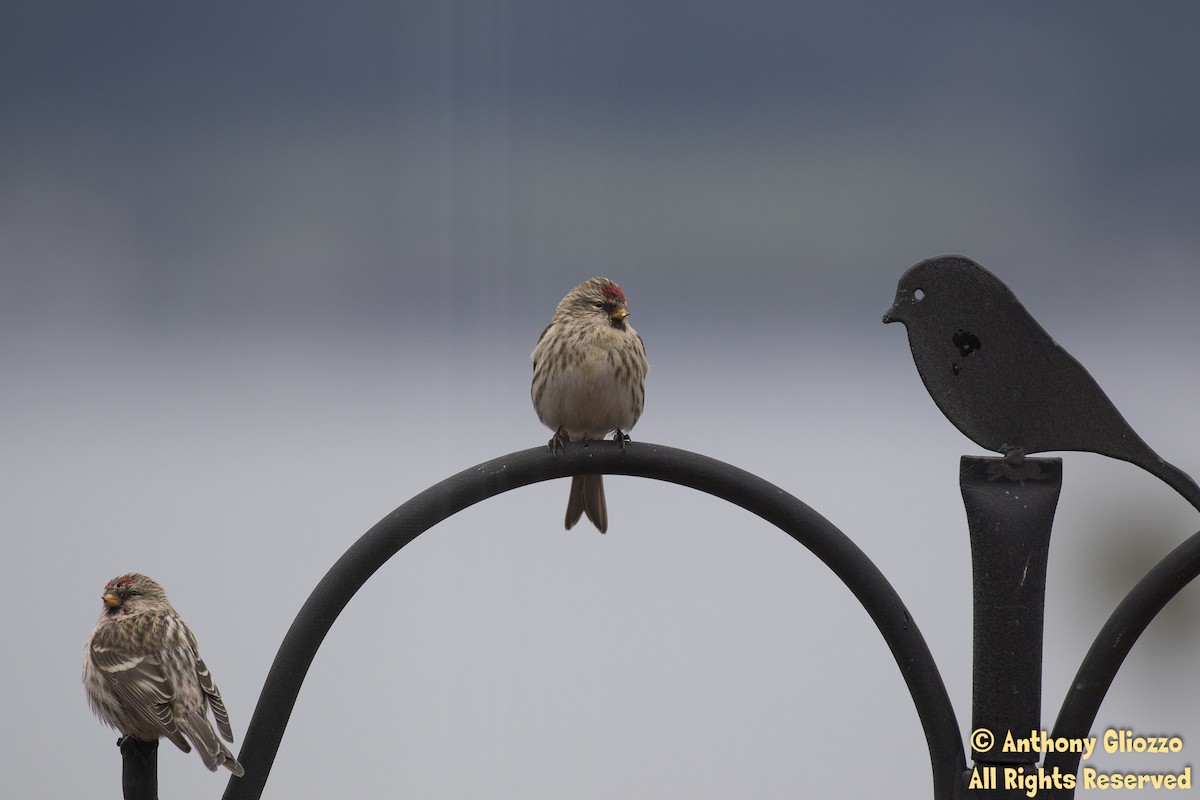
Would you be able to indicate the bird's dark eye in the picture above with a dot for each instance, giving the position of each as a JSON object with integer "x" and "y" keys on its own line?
{"x": 598, "y": 304}
{"x": 918, "y": 295}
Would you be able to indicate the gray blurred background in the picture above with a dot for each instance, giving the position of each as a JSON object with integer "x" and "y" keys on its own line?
{"x": 267, "y": 271}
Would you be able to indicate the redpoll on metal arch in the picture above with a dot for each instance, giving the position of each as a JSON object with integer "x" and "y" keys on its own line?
{"x": 143, "y": 674}
{"x": 589, "y": 374}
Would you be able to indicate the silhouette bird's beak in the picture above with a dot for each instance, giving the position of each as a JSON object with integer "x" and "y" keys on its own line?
{"x": 893, "y": 314}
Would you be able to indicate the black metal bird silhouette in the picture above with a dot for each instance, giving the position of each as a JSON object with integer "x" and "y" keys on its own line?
{"x": 1000, "y": 378}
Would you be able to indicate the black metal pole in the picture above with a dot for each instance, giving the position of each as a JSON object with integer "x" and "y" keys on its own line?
{"x": 1010, "y": 520}
{"x": 376, "y": 546}
{"x": 139, "y": 768}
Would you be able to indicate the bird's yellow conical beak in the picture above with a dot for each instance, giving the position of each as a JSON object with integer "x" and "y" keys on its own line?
{"x": 620, "y": 314}
{"x": 111, "y": 600}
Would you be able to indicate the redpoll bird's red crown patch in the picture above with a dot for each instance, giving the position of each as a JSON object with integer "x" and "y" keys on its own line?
{"x": 613, "y": 292}
{"x": 122, "y": 580}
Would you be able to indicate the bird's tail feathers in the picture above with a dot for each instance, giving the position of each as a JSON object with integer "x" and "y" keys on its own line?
{"x": 587, "y": 497}
{"x": 212, "y": 750}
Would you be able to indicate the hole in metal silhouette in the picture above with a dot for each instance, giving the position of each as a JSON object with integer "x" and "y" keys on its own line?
{"x": 966, "y": 343}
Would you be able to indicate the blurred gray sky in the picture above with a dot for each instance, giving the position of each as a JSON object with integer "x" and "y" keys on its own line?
{"x": 269, "y": 271}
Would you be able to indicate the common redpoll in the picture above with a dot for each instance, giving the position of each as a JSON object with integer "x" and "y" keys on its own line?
{"x": 144, "y": 676}
{"x": 589, "y": 374}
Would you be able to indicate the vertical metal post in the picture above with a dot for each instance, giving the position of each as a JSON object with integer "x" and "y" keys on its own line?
{"x": 139, "y": 768}
{"x": 1010, "y": 511}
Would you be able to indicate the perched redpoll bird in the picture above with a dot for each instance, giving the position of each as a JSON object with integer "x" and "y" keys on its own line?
{"x": 589, "y": 374}
{"x": 144, "y": 676}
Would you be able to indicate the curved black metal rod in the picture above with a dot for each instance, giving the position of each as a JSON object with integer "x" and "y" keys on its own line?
{"x": 1120, "y": 632}
{"x": 640, "y": 459}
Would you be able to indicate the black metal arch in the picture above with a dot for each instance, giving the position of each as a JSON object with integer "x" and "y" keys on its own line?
{"x": 397, "y": 529}
{"x": 1114, "y": 641}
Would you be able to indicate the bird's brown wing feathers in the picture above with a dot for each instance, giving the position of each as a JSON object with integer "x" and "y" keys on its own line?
{"x": 214, "y": 699}
{"x": 141, "y": 684}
